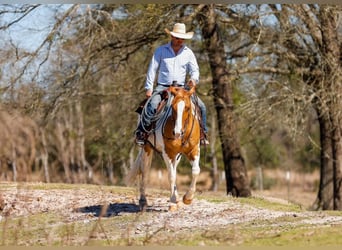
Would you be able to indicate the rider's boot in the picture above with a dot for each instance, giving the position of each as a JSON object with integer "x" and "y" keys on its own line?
{"x": 204, "y": 138}
{"x": 140, "y": 138}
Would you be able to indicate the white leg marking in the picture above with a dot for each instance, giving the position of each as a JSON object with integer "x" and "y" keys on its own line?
{"x": 172, "y": 169}
{"x": 188, "y": 197}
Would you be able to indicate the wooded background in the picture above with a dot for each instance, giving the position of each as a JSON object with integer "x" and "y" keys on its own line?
{"x": 72, "y": 75}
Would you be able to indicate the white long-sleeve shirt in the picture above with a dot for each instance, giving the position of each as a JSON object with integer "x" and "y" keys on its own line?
{"x": 171, "y": 67}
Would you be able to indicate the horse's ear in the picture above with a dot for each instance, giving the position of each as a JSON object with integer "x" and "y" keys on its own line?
{"x": 174, "y": 90}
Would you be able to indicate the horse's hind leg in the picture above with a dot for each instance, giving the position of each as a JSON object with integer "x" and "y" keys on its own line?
{"x": 146, "y": 159}
{"x": 189, "y": 196}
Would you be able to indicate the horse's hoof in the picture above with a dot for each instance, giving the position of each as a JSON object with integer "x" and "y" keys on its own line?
{"x": 173, "y": 207}
{"x": 179, "y": 204}
{"x": 142, "y": 205}
{"x": 186, "y": 201}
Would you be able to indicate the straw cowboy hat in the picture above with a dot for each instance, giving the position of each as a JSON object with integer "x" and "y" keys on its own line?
{"x": 180, "y": 31}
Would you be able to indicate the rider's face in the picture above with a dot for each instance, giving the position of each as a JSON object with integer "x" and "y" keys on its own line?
{"x": 177, "y": 41}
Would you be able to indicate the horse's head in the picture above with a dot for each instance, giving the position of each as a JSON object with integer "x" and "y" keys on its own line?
{"x": 181, "y": 108}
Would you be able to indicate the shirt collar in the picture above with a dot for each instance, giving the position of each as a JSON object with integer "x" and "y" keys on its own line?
{"x": 181, "y": 49}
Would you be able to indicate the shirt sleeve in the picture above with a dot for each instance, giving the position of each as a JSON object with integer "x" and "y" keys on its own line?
{"x": 152, "y": 70}
{"x": 193, "y": 68}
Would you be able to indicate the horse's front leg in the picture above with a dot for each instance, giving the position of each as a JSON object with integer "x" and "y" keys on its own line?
{"x": 189, "y": 196}
{"x": 173, "y": 187}
{"x": 172, "y": 169}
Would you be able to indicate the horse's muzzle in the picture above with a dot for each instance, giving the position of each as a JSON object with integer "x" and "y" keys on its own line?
{"x": 178, "y": 135}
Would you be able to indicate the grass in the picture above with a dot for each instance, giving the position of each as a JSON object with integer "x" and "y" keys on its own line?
{"x": 296, "y": 236}
{"x": 251, "y": 235}
{"x": 264, "y": 203}
{"x": 25, "y": 230}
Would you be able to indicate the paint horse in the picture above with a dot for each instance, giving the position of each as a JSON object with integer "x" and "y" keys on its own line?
{"x": 179, "y": 134}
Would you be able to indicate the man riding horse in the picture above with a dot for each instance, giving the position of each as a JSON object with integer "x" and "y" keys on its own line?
{"x": 170, "y": 64}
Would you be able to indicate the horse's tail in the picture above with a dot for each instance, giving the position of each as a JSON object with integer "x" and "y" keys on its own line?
{"x": 135, "y": 170}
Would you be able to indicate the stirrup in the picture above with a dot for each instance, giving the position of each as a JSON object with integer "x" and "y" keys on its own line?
{"x": 204, "y": 139}
{"x": 140, "y": 138}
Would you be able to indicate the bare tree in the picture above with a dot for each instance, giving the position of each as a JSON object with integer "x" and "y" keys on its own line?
{"x": 314, "y": 46}
{"x": 235, "y": 169}
{"x": 302, "y": 48}
{"x": 18, "y": 138}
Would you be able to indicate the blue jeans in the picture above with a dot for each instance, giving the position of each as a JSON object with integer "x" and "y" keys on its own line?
{"x": 155, "y": 99}
{"x": 203, "y": 109}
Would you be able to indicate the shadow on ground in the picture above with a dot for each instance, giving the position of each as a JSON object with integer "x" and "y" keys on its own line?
{"x": 116, "y": 209}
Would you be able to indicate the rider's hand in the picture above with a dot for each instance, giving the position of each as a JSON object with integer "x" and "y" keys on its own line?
{"x": 192, "y": 83}
{"x": 148, "y": 93}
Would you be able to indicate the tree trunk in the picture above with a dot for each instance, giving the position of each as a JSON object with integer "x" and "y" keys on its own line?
{"x": 215, "y": 174}
{"x": 14, "y": 164}
{"x": 45, "y": 157}
{"x": 235, "y": 170}
{"x": 329, "y": 193}
{"x": 332, "y": 50}
{"x": 110, "y": 169}
{"x": 329, "y": 89}
{"x": 82, "y": 161}
{"x": 337, "y": 178}
{"x": 63, "y": 151}
{"x": 325, "y": 193}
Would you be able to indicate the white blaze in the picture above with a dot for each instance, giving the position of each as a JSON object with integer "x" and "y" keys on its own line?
{"x": 179, "y": 119}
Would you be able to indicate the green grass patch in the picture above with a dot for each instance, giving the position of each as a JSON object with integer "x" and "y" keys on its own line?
{"x": 27, "y": 230}
{"x": 50, "y": 229}
{"x": 295, "y": 236}
{"x": 267, "y": 204}
{"x": 250, "y": 235}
